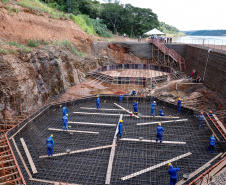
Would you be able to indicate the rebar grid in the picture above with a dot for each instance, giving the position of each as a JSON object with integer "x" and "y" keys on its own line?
{"x": 91, "y": 167}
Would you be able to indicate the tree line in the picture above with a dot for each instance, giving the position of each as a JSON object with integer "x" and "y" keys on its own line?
{"x": 118, "y": 18}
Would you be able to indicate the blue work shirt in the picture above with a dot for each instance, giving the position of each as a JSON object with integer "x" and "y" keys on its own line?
{"x": 153, "y": 105}
{"x": 135, "y": 105}
{"x": 65, "y": 111}
{"x": 65, "y": 119}
{"x": 212, "y": 141}
{"x": 120, "y": 97}
{"x": 49, "y": 141}
{"x": 98, "y": 100}
{"x": 160, "y": 130}
{"x": 173, "y": 172}
{"x": 179, "y": 103}
{"x": 120, "y": 127}
{"x": 134, "y": 93}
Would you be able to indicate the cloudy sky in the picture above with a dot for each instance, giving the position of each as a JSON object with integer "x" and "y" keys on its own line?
{"x": 187, "y": 14}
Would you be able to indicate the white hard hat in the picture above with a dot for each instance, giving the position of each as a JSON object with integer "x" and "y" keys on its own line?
{"x": 154, "y": 101}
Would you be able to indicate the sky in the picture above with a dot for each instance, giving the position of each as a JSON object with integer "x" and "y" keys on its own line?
{"x": 186, "y": 14}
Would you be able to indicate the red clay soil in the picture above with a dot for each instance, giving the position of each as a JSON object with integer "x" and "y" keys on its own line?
{"x": 26, "y": 25}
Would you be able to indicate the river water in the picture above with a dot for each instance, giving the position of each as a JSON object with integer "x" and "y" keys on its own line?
{"x": 207, "y": 40}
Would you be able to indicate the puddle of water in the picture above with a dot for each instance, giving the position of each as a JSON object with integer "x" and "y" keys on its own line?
{"x": 178, "y": 93}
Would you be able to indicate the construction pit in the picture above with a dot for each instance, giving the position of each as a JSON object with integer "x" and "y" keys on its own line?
{"x": 90, "y": 153}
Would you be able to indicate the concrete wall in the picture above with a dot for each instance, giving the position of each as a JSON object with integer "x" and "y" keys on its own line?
{"x": 215, "y": 73}
{"x": 179, "y": 48}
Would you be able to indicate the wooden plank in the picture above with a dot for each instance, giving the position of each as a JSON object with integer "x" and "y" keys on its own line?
{"x": 8, "y": 175}
{"x": 88, "y": 108}
{"x": 125, "y": 110}
{"x": 98, "y": 124}
{"x": 8, "y": 167}
{"x": 199, "y": 170}
{"x": 28, "y": 122}
{"x": 31, "y": 162}
{"x": 79, "y": 131}
{"x": 21, "y": 158}
{"x": 151, "y": 123}
{"x": 219, "y": 123}
{"x": 112, "y": 155}
{"x": 164, "y": 117}
{"x": 153, "y": 141}
{"x": 211, "y": 129}
{"x": 155, "y": 166}
{"x": 53, "y": 182}
{"x": 94, "y": 113}
{"x": 78, "y": 151}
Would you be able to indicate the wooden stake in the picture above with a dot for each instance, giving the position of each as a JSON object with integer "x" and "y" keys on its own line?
{"x": 61, "y": 130}
{"x": 88, "y": 108}
{"x": 104, "y": 114}
{"x": 99, "y": 124}
{"x": 151, "y": 123}
{"x": 153, "y": 141}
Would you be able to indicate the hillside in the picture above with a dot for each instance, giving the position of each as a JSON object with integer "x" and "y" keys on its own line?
{"x": 206, "y": 33}
{"x": 170, "y": 31}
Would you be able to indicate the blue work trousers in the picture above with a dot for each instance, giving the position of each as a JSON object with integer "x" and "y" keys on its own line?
{"x": 159, "y": 136}
{"x": 173, "y": 181}
{"x": 152, "y": 112}
{"x": 120, "y": 133}
{"x": 50, "y": 150}
{"x": 200, "y": 124}
{"x": 210, "y": 148}
{"x": 135, "y": 110}
{"x": 98, "y": 105}
{"x": 65, "y": 126}
{"x": 161, "y": 114}
{"x": 179, "y": 109}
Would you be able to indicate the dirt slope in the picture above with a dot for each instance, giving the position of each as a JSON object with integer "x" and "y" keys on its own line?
{"x": 26, "y": 25}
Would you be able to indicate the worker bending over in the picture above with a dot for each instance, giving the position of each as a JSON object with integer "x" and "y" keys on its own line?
{"x": 120, "y": 129}
{"x": 50, "y": 145}
{"x": 120, "y": 98}
{"x": 173, "y": 174}
{"x": 212, "y": 143}
{"x": 135, "y": 109}
{"x": 200, "y": 119}
{"x": 211, "y": 114}
{"x": 65, "y": 120}
{"x": 161, "y": 112}
{"x": 64, "y": 110}
{"x": 159, "y": 133}
{"x": 179, "y": 105}
{"x": 133, "y": 92}
{"x": 153, "y": 108}
{"x": 98, "y": 102}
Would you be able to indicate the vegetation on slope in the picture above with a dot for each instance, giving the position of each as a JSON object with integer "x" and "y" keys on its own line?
{"x": 206, "y": 33}
{"x": 170, "y": 31}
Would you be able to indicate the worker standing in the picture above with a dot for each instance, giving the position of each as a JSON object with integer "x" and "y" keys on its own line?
{"x": 133, "y": 92}
{"x": 120, "y": 129}
{"x": 50, "y": 145}
{"x": 65, "y": 120}
{"x": 153, "y": 108}
{"x": 212, "y": 143}
{"x": 135, "y": 109}
{"x": 64, "y": 110}
{"x": 120, "y": 98}
{"x": 159, "y": 133}
{"x": 173, "y": 174}
{"x": 211, "y": 114}
{"x": 161, "y": 112}
{"x": 98, "y": 102}
{"x": 200, "y": 119}
{"x": 179, "y": 105}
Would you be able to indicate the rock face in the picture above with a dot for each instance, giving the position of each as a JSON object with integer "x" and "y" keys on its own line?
{"x": 29, "y": 80}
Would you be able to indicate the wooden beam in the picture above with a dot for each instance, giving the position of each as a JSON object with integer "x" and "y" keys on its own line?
{"x": 52, "y": 182}
{"x": 98, "y": 124}
{"x": 88, "y": 108}
{"x": 78, "y": 151}
{"x": 8, "y": 167}
{"x": 153, "y": 141}
{"x": 112, "y": 155}
{"x": 94, "y": 113}
{"x": 31, "y": 162}
{"x": 28, "y": 122}
{"x": 125, "y": 110}
{"x": 155, "y": 166}
{"x": 80, "y": 131}
{"x": 151, "y": 123}
{"x": 8, "y": 175}
{"x": 164, "y": 117}
{"x": 21, "y": 158}
{"x": 199, "y": 170}
{"x": 219, "y": 123}
{"x": 211, "y": 129}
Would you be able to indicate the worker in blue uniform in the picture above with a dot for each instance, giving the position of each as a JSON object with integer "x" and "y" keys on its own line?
{"x": 64, "y": 110}
{"x": 179, "y": 105}
{"x": 98, "y": 102}
{"x": 135, "y": 109}
{"x": 200, "y": 119}
{"x": 133, "y": 92}
{"x": 173, "y": 174}
{"x": 65, "y": 120}
{"x": 120, "y": 129}
{"x": 161, "y": 112}
{"x": 210, "y": 114}
{"x": 159, "y": 133}
{"x": 50, "y": 145}
{"x": 153, "y": 108}
{"x": 120, "y": 98}
{"x": 212, "y": 143}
